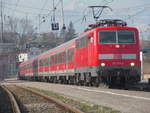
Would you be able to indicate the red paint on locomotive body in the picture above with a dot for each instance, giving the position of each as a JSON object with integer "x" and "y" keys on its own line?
{"x": 122, "y": 55}
{"x": 102, "y": 49}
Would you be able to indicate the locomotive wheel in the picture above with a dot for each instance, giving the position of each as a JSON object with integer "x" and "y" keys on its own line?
{"x": 95, "y": 81}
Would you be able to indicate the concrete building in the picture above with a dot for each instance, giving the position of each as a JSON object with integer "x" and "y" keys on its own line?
{"x": 8, "y": 60}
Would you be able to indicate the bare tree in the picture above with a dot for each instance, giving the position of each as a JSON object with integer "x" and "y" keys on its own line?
{"x": 25, "y": 27}
{"x": 19, "y": 31}
{"x": 12, "y": 24}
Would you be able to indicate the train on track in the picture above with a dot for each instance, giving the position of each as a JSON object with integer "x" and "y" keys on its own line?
{"x": 107, "y": 53}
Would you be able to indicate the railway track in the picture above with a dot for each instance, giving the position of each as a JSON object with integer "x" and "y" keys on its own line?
{"x": 31, "y": 101}
{"x": 8, "y": 103}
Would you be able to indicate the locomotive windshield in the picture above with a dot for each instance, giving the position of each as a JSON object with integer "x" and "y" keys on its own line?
{"x": 119, "y": 37}
{"x": 107, "y": 37}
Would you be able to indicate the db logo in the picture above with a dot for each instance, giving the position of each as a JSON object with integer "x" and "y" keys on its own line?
{"x": 117, "y": 63}
{"x": 117, "y": 56}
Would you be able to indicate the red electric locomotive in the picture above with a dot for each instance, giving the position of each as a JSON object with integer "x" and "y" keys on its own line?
{"x": 107, "y": 53}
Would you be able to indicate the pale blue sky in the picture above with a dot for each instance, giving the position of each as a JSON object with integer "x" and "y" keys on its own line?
{"x": 135, "y": 12}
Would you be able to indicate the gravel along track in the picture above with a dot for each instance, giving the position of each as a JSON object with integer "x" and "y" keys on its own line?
{"x": 5, "y": 104}
{"x": 32, "y": 103}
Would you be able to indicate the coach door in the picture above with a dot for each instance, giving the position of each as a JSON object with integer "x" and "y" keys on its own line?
{"x": 90, "y": 49}
{"x": 35, "y": 68}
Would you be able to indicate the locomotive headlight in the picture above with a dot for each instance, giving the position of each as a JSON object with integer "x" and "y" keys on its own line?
{"x": 103, "y": 64}
{"x": 117, "y": 46}
{"x": 132, "y": 64}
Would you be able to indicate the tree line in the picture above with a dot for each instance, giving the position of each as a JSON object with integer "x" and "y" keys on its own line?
{"x": 21, "y": 32}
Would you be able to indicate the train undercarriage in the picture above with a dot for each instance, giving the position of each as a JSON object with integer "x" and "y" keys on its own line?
{"x": 108, "y": 78}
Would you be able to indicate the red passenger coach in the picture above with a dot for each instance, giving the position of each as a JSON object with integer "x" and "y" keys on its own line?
{"x": 107, "y": 53}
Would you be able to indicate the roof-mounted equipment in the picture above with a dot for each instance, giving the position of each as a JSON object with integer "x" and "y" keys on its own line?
{"x": 108, "y": 23}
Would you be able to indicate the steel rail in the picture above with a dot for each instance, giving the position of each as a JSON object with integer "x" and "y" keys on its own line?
{"x": 13, "y": 101}
{"x": 51, "y": 99}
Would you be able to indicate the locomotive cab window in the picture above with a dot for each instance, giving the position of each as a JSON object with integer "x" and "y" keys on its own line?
{"x": 117, "y": 37}
{"x": 125, "y": 36}
{"x": 107, "y": 37}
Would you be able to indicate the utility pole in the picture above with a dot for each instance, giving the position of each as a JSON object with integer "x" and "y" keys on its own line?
{"x": 1, "y": 22}
{"x": 63, "y": 17}
{"x": 39, "y": 22}
{"x": 54, "y": 8}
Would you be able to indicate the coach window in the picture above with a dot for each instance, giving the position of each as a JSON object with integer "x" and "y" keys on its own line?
{"x": 78, "y": 43}
{"x": 64, "y": 57}
{"x": 28, "y": 66}
{"x": 52, "y": 60}
{"x": 46, "y": 61}
{"x": 43, "y": 62}
{"x": 70, "y": 55}
{"x": 82, "y": 42}
{"x": 49, "y": 60}
{"x": 55, "y": 59}
{"x": 61, "y": 56}
{"x": 40, "y": 62}
{"x": 25, "y": 67}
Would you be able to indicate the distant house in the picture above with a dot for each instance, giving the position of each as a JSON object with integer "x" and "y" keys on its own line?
{"x": 22, "y": 57}
{"x": 8, "y": 59}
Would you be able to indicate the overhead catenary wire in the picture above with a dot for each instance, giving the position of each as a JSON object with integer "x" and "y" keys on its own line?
{"x": 25, "y": 6}
{"x": 39, "y": 15}
{"x": 13, "y": 12}
{"x": 23, "y": 12}
{"x": 108, "y": 2}
{"x": 137, "y": 6}
{"x": 44, "y": 5}
{"x": 146, "y": 6}
{"x": 48, "y": 14}
{"x": 137, "y": 13}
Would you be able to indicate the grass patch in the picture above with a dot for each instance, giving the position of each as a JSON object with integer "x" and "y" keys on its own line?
{"x": 83, "y": 106}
